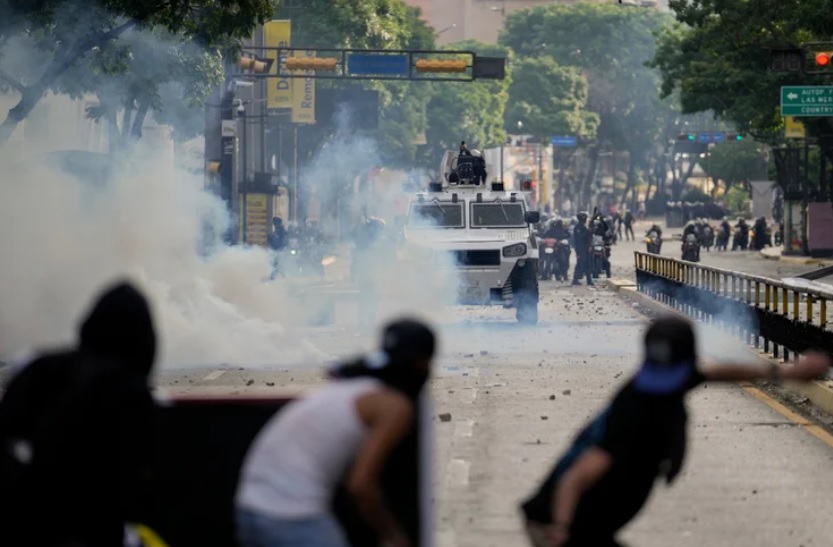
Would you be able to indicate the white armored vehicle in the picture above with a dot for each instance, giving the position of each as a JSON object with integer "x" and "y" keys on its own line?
{"x": 487, "y": 232}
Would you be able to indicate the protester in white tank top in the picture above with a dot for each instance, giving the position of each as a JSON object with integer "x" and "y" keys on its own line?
{"x": 296, "y": 463}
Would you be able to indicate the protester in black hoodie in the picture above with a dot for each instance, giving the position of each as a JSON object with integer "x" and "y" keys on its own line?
{"x": 74, "y": 427}
{"x": 607, "y": 474}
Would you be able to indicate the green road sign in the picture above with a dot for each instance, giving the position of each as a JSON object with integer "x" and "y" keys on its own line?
{"x": 807, "y": 100}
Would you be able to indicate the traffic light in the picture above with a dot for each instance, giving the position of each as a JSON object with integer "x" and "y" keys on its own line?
{"x": 688, "y": 137}
{"x": 822, "y": 58}
{"x": 212, "y": 167}
{"x": 311, "y": 63}
{"x": 737, "y": 137}
{"x": 433, "y": 65}
{"x": 786, "y": 60}
{"x": 255, "y": 65}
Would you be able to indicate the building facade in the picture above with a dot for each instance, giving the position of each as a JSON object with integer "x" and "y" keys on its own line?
{"x": 482, "y": 20}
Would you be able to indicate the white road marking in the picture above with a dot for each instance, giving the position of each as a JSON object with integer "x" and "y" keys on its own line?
{"x": 464, "y": 429}
{"x": 214, "y": 375}
{"x": 458, "y": 473}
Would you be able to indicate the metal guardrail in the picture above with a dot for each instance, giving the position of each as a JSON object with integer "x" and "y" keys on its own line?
{"x": 782, "y": 317}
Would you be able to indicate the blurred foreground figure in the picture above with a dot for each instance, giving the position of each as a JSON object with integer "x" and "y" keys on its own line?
{"x": 344, "y": 432}
{"x": 605, "y": 478}
{"x": 75, "y": 432}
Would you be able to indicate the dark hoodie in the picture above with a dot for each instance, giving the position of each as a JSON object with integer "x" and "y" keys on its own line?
{"x": 84, "y": 416}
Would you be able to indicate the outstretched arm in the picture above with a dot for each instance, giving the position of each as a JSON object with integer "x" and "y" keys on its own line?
{"x": 811, "y": 366}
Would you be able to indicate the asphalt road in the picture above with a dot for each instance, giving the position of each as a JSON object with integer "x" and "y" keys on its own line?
{"x": 517, "y": 395}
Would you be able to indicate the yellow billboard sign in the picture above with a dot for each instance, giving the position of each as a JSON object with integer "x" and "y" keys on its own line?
{"x": 303, "y": 94}
{"x": 276, "y": 34}
{"x": 794, "y": 129}
{"x": 254, "y": 218}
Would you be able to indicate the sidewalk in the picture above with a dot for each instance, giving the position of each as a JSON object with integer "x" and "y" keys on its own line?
{"x": 774, "y": 253}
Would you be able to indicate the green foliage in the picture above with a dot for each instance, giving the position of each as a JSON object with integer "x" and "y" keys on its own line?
{"x": 735, "y": 162}
{"x": 78, "y": 47}
{"x": 471, "y": 112}
{"x": 736, "y": 199}
{"x": 610, "y": 46}
{"x": 549, "y": 99}
{"x": 718, "y": 58}
{"x": 369, "y": 24}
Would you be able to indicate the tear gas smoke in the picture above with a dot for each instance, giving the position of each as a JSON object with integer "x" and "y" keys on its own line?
{"x": 67, "y": 238}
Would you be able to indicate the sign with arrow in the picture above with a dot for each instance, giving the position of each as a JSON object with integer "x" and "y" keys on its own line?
{"x": 807, "y": 100}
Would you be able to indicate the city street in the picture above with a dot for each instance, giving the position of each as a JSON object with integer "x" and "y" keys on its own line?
{"x": 513, "y": 397}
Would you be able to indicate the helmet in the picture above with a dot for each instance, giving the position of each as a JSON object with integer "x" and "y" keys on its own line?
{"x": 476, "y": 153}
{"x": 558, "y": 222}
{"x": 582, "y": 215}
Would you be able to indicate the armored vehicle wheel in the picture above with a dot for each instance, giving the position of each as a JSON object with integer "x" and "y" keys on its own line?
{"x": 526, "y": 294}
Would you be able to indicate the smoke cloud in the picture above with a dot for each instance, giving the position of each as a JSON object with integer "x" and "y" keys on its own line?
{"x": 67, "y": 238}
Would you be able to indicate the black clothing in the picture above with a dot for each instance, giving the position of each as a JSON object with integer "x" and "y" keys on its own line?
{"x": 628, "y": 220}
{"x": 85, "y": 418}
{"x": 554, "y": 232}
{"x": 278, "y": 239}
{"x": 582, "y": 239}
{"x": 646, "y": 437}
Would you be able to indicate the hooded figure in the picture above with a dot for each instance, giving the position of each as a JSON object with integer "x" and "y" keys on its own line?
{"x": 604, "y": 479}
{"x": 342, "y": 435}
{"x": 72, "y": 426}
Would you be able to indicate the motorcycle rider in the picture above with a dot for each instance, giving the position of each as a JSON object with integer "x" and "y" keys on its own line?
{"x": 582, "y": 239}
{"x": 655, "y": 228}
{"x": 741, "y": 239}
{"x": 692, "y": 229}
{"x": 559, "y": 232}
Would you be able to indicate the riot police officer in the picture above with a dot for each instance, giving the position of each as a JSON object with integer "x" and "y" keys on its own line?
{"x": 582, "y": 239}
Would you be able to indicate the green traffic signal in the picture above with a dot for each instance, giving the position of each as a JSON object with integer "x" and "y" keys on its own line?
{"x": 691, "y": 136}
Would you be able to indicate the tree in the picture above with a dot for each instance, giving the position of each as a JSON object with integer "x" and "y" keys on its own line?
{"x": 610, "y": 46}
{"x": 734, "y": 163}
{"x": 717, "y": 57}
{"x": 66, "y": 32}
{"x": 549, "y": 99}
{"x": 466, "y": 111}
{"x": 367, "y": 24}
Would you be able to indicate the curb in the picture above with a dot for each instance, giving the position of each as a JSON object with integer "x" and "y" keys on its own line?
{"x": 819, "y": 392}
{"x": 797, "y": 259}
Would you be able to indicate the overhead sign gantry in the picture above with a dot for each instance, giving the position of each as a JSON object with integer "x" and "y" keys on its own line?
{"x": 380, "y": 64}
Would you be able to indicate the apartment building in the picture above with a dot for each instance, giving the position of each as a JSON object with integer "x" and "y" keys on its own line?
{"x": 482, "y": 20}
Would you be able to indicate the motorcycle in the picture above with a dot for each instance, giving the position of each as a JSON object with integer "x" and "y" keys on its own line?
{"x": 547, "y": 263}
{"x": 653, "y": 242}
{"x": 691, "y": 249}
{"x": 599, "y": 254}
{"x": 707, "y": 238}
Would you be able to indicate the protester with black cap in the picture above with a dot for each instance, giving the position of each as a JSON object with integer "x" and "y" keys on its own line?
{"x": 607, "y": 474}
{"x": 344, "y": 432}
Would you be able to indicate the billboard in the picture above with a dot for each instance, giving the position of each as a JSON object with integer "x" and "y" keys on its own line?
{"x": 276, "y": 34}
{"x": 303, "y": 94}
